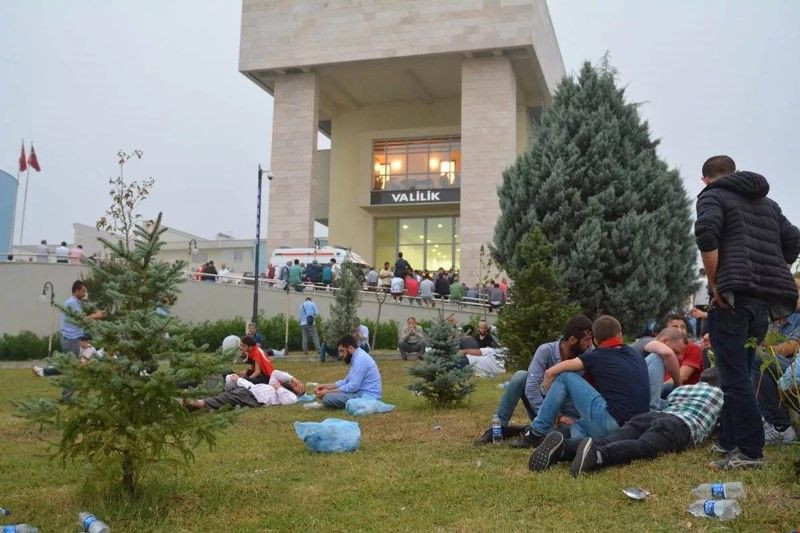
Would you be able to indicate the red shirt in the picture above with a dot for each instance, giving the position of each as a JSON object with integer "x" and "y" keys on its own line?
{"x": 693, "y": 358}
{"x": 256, "y": 354}
{"x": 412, "y": 287}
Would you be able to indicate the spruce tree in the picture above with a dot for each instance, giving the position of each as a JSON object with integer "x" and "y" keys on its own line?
{"x": 344, "y": 309}
{"x": 617, "y": 217}
{"x": 125, "y": 411}
{"x": 444, "y": 382}
{"x": 539, "y": 306}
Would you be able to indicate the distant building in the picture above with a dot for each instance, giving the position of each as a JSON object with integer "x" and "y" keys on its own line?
{"x": 8, "y": 199}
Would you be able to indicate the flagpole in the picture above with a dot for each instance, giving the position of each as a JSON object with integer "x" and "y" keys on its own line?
{"x": 24, "y": 204}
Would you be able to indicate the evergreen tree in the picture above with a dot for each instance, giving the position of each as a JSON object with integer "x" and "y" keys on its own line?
{"x": 344, "y": 309}
{"x": 618, "y": 219}
{"x": 539, "y": 307}
{"x": 443, "y": 381}
{"x": 125, "y": 411}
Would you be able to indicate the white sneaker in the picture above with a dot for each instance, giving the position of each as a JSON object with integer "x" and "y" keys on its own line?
{"x": 39, "y": 371}
{"x": 771, "y": 435}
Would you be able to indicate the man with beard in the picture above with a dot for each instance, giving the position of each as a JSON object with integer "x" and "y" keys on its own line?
{"x": 362, "y": 381}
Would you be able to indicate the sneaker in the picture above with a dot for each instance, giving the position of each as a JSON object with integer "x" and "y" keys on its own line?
{"x": 789, "y": 435}
{"x": 39, "y": 371}
{"x": 775, "y": 437}
{"x": 529, "y": 439}
{"x": 734, "y": 460}
{"x": 585, "y": 458}
{"x": 509, "y": 432}
{"x": 548, "y": 451}
{"x": 719, "y": 450}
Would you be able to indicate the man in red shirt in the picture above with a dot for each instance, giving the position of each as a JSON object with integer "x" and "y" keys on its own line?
{"x": 412, "y": 289}
{"x": 691, "y": 361}
{"x": 260, "y": 365}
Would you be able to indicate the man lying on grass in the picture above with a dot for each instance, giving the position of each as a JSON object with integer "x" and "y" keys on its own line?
{"x": 362, "y": 381}
{"x": 688, "y": 417}
{"x": 282, "y": 389}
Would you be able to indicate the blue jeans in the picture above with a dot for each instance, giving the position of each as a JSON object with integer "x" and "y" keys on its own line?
{"x": 595, "y": 420}
{"x": 513, "y": 393}
{"x": 655, "y": 370}
{"x": 337, "y": 400}
{"x": 730, "y": 329}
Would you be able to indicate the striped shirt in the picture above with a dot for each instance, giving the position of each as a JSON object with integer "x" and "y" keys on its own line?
{"x": 698, "y": 406}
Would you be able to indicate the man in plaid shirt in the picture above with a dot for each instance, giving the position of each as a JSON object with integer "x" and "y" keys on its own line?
{"x": 688, "y": 417}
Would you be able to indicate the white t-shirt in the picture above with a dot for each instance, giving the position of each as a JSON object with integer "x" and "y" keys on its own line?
{"x": 398, "y": 285}
{"x": 363, "y": 334}
{"x": 426, "y": 288}
{"x": 266, "y": 394}
{"x": 88, "y": 352}
{"x": 62, "y": 252}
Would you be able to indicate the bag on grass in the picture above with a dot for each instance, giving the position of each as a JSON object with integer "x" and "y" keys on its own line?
{"x": 366, "y": 406}
{"x": 332, "y": 435}
{"x": 305, "y": 398}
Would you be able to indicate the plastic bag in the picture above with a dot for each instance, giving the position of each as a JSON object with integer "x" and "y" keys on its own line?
{"x": 332, "y": 435}
{"x": 305, "y": 398}
{"x": 366, "y": 406}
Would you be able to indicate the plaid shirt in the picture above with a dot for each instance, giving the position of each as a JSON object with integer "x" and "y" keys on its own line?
{"x": 698, "y": 406}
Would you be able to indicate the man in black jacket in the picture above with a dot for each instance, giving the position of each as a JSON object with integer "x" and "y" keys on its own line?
{"x": 401, "y": 266}
{"x": 747, "y": 246}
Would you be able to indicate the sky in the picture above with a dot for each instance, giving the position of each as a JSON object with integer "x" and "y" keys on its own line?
{"x": 83, "y": 79}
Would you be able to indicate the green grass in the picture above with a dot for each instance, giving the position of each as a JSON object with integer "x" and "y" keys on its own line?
{"x": 405, "y": 476}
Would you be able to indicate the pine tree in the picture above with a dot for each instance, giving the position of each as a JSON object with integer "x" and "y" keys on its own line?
{"x": 539, "y": 307}
{"x": 125, "y": 411}
{"x": 618, "y": 219}
{"x": 344, "y": 309}
{"x": 443, "y": 381}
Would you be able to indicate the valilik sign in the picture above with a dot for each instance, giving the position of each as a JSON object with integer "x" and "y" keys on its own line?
{"x": 418, "y": 196}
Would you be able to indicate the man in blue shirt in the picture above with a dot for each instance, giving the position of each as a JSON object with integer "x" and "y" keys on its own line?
{"x": 362, "y": 381}
{"x": 71, "y": 332}
{"x": 308, "y": 316}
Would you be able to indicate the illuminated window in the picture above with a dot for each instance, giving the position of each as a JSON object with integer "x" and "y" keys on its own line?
{"x": 426, "y": 243}
{"x": 419, "y": 163}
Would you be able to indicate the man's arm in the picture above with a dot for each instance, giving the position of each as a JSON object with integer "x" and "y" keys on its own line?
{"x": 669, "y": 357}
{"x": 790, "y": 240}
{"x": 707, "y": 231}
{"x": 533, "y": 383}
{"x": 570, "y": 365}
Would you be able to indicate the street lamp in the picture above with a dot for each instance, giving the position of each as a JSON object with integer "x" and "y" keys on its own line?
{"x": 43, "y": 298}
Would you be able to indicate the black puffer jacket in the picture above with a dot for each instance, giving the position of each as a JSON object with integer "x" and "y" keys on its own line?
{"x": 754, "y": 239}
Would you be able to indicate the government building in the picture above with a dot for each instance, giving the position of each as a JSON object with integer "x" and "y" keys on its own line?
{"x": 425, "y": 104}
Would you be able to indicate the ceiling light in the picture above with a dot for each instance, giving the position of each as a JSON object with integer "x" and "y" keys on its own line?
{"x": 405, "y": 226}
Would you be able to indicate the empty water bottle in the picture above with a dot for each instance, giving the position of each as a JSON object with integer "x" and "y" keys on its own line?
{"x": 90, "y": 523}
{"x": 497, "y": 430}
{"x": 20, "y": 528}
{"x": 722, "y": 509}
{"x": 719, "y": 491}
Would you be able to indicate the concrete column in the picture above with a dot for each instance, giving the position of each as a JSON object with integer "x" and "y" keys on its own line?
{"x": 294, "y": 145}
{"x": 488, "y": 146}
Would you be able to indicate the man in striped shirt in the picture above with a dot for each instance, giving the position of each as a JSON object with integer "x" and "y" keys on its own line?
{"x": 688, "y": 417}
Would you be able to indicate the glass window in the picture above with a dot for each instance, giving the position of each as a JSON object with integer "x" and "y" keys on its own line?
{"x": 412, "y": 231}
{"x": 386, "y": 231}
{"x": 385, "y": 253}
{"x": 440, "y": 230}
{"x": 412, "y": 254}
{"x": 424, "y": 163}
{"x": 428, "y": 243}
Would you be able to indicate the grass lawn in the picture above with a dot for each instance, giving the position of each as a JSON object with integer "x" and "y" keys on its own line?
{"x": 405, "y": 476}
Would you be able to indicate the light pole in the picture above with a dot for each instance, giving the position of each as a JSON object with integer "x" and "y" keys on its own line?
{"x": 258, "y": 242}
{"x": 43, "y": 298}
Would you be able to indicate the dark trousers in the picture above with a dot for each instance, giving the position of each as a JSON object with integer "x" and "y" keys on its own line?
{"x": 234, "y": 396}
{"x": 642, "y": 437}
{"x": 766, "y": 386}
{"x": 729, "y": 330}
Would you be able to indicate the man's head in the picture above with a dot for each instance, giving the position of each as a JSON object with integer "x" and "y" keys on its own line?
{"x": 606, "y": 327}
{"x": 674, "y": 338}
{"x": 677, "y": 321}
{"x": 79, "y": 290}
{"x": 296, "y": 386}
{"x": 333, "y": 260}
{"x": 43, "y": 241}
{"x": 251, "y": 329}
{"x": 717, "y": 167}
{"x": 411, "y": 321}
{"x": 63, "y": 243}
{"x": 577, "y": 335}
{"x": 709, "y": 375}
{"x": 308, "y": 298}
{"x": 247, "y": 342}
{"x": 223, "y": 266}
{"x": 296, "y": 261}
{"x": 483, "y": 327}
{"x": 347, "y": 346}
{"x": 85, "y": 342}
{"x": 399, "y": 255}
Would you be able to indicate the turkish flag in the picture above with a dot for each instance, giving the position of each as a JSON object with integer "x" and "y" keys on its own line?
{"x": 33, "y": 161}
{"x": 23, "y": 165}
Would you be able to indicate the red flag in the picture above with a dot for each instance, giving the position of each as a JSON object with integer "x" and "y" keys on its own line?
{"x": 33, "y": 161}
{"x": 23, "y": 165}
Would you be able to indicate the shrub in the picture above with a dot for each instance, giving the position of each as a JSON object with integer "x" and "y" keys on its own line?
{"x": 25, "y": 345}
{"x": 212, "y": 333}
{"x": 387, "y": 336}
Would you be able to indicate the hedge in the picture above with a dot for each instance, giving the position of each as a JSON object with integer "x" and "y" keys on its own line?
{"x": 26, "y": 345}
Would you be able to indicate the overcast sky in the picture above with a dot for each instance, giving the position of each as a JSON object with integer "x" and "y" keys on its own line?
{"x": 83, "y": 79}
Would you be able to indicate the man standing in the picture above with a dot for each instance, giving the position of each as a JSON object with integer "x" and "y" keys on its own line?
{"x": 308, "y": 317}
{"x": 362, "y": 381}
{"x": 42, "y": 252}
{"x": 747, "y": 246}
{"x": 385, "y": 276}
{"x": 71, "y": 332}
{"x": 296, "y": 274}
{"x": 401, "y": 266}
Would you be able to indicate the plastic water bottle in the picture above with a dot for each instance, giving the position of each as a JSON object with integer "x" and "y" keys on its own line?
{"x": 90, "y": 523}
{"x": 497, "y": 430}
{"x": 719, "y": 491}
{"x": 20, "y": 528}
{"x": 722, "y": 509}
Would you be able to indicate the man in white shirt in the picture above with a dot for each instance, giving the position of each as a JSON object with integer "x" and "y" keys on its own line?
{"x": 397, "y": 288}
{"x": 62, "y": 253}
{"x": 361, "y": 333}
{"x": 282, "y": 389}
{"x": 224, "y": 275}
{"x": 42, "y": 252}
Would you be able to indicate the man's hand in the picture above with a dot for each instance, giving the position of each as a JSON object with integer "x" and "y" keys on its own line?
{"x": 567, "y": 421}
{"x": 705, "y": 343}
{"x": 697, "y": 313}
{"x": 235, "y": 377}
{"x": 547, "y": 381}
{"x": 717, "y": 299}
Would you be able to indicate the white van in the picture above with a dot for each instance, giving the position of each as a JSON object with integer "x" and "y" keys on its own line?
{"x": 283, "y": 255}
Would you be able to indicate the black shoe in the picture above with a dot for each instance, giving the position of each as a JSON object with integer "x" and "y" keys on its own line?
{"x": 529, "y": 439}
{"x": 547, "y": 452}
{"x": 508, "y": 433}
{"x": 585, "y": 457}
{"x": 486, "y": 438}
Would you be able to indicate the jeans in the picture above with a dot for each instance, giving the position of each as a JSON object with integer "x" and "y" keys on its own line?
{"x": 655, "y": 370}
{"x": 767, "y": 394}
{"x": 595, "y": 420}
{"x": 72, "y": 346}
{"x": 729, "y": 330}
{"x": 306, "y": 330}
{"x": 513, "y": 393}
{"x": 642, "y": 437}
{"x": 337, "y": 400}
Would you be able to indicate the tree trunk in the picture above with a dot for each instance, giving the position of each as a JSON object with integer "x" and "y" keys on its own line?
{"x": 128, "y": 475}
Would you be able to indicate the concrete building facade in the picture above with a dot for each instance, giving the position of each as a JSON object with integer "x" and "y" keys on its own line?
{"x": 425, "y": 103}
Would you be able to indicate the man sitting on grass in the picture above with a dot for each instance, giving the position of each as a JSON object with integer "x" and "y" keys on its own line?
{"x": 282, "y": 389}
{"x": 688, "y": 417}
{"x": 260, "y": 365}
{"x": 662, "y": 360}
{"x": 362, "y": 381}
{"x": 86, "y": 353}
{"x": 621, "y": 388}
{"x": 526, "y": 385}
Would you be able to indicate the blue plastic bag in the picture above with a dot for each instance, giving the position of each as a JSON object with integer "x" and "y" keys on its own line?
{"x": 305, "y": 398}
{"x": 366, "y": 406}
{"x": 332, "y": 435}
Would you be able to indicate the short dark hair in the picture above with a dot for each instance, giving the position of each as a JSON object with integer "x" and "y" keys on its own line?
{"x": 77, "y": 285}
{"x": 717, "y": 166}
{"x": 333, "y": 259}
{"x": 676, "y": 316}
{"x": 347, "y": 340}
{"x": 248, "y": 340}
{"x": 399, "y": 254}
{"x": 606, "y": 327}
{"x": 709, "y": 375}
{"x": 296, "y": 261}
{"x": 577, "y": 327}
{"x": 86, "y": 337}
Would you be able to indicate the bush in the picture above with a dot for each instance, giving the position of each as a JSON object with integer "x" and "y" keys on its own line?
{"x": 25, "y": 345}
{"x": 212, "y": 333}
{"x": 388, "y": 334}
